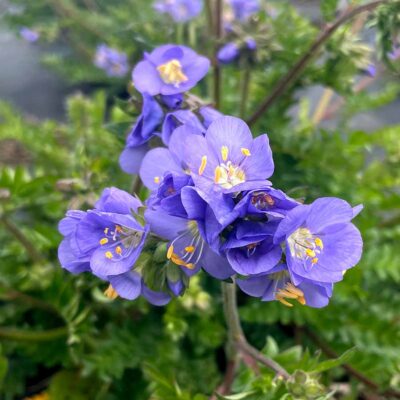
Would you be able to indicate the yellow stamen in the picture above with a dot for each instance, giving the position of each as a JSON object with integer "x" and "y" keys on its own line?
{"x": 310, "y": 253}
{"x": 314, "y": 260}
{"x": 319, "y": 243}
{"x": 109, "y": 255}
{"x": 203, "y": 165}
{"x": 106, "y": 230}
{"x": 302, "y": 301}
{"x": 224, "y": 153}
{"x": 291, "y": 288}
{"x": 286, "y": 293}
{"x": 111, "y": 293}
{"x": 245, "y": 152}
{"x": 178, "y": 261}
{"x": 156, "y": 179}
{"x": 190, "y": 249}
{"x": 217, "y": 175}
{"x": 171, "y": 73}
{"x": 118, "y": 228}
{"x": 103, "y": 241}
{"x": 283, "y": 301}
{"x": 170, "y": 251}
{"x": 118, "y": 250}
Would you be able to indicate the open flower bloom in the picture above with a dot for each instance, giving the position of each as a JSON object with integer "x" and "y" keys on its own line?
{"x": 187, "y": 247}
{"x": 268, "y": 201}
{"x": 227, "y": 159}
{"x": 277, "y": 285}
{"x": 169, "y": 69}
{"x": 321, "y": 242}
{"x": 180, "y": 10}
{"x": 112, "y": 61}
{"x": 243, "y": 9}
{"x": 106, "y": 241}
{"x": 250, "y": 249}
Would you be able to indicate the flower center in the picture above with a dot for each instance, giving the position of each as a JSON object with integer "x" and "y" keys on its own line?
{"x": 119, "y": 241}
{"x": 171, "y": 73}
{"x": 228, "y": 175}
{"x": 290, "y": 292}
{"x": 304, "y": 245}
{"x": 187, "y": 248}
{"x": 262, "y": 200}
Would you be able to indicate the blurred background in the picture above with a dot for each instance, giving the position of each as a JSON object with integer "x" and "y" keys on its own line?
{"x": 63, "y": 122}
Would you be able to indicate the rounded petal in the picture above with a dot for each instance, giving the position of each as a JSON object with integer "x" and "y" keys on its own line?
{"x": 232, "y": 133}
{"x": 68, "y": 224}
{"x": 328, "y": 211}
{"x": 117, "y": 201}
{"x": 128, "y": 286}
{"x": 215, "y": 265}
{"x": 155, "y": 298}
{"x": 316, "y": 296}
{"x": 164, "y": 225}
{"x": 259, "y": 164}
{"x": 146, "y": 78}
{"x": 69, "y": 261}
{"x": 131, "y": 158}
{"x": 155, "y": 164}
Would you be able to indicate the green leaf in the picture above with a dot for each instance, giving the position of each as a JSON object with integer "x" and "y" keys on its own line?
{"x": 328, "y": 9}
{"x": 238, "y": 396}
{"x": 329, "y": 364}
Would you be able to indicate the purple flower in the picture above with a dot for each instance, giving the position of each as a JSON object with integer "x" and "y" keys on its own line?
{"x": 178, "y": 118}
{"x": 29, "y": 35}
{"x": 243, "y": 9}
{"x": 251, "y": 44}
{"x": 112, "y": 61}
{"x": 370, "y": 70}
{"x": 227, "y": 159}
{"x": 143, "y": 130}
{"x": 268, "y": 201}
{"x": 394, "y": 54}
{"x": 277, "y": 285}
{"x": 169, "y": 69}
{"x": 250, "y": 248}
{"x": 179, "y": 10}
{"x": 228, "y": 53}
{"x": 321, "y": 242}
{"x": 106, "y": 241}
{"x": 188, "y": 247}
{"x": 209, "y": 115}
{"x": 173, "y": 102}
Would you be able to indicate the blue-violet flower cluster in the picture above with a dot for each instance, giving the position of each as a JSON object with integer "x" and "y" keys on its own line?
{"x": 210, "y": 207}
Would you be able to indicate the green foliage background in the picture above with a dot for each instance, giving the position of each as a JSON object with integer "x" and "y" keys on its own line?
{"x": 58, "y": 332}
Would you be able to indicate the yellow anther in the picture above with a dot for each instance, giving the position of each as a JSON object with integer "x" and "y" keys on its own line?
{"x": 118, "y": 250}
{"x": 283, "y": 301}
{"x": 170, "y": 251}
{"x": 203, "y": 165}
{"x": 157, "y": 179}
{"x": 314, "y": 260}
{"x": 111, "y": 293}
{"x": 319, "y": 243}
{"x": 106, "y": 230}
{"x": 178, "y": 261}
{"x": 109, "y": 255}
{"x": 103, "y": 241}
{"x": 118, "y": 228}
{"x": 217, "y": 175}
{"x": 286, "y": 293}
{"x": 171, "y": 72}
{"x": 310, "y": 253}
{"x": 291, "y": 288}
{"x": 190, "y": 249}
{"x": 245, "y": 152}
{"x": 190, "y": 266}
{"x": 224, "y": 153}
{"x": 302, "y": 301}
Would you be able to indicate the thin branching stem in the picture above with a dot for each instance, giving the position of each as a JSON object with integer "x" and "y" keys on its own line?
{"x": 286, "y": 82}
